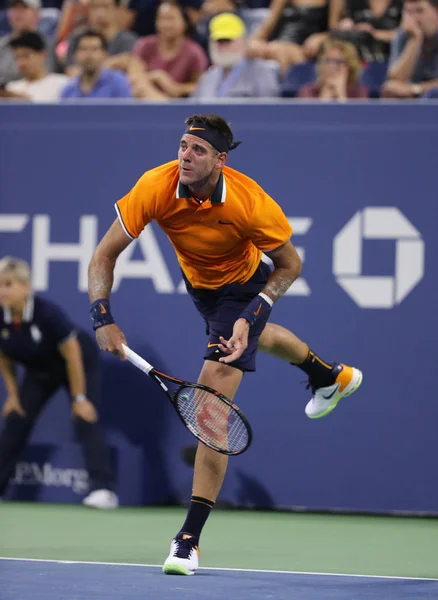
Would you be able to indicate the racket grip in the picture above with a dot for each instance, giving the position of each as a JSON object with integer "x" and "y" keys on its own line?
{"x": 137, "y": 360}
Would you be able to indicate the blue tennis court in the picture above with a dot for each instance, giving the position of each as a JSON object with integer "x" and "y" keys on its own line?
{"x": 22, "y": 579}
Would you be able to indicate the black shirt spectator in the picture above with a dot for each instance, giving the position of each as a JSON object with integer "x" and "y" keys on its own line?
{"x": 286, "y": 30}
{"x": 370, "y": 28}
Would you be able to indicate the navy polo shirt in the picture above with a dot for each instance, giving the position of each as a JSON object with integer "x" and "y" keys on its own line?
{"x": 34, "y": 342}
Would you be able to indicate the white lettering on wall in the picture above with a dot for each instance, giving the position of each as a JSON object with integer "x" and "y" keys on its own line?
{"x": 44, "y": 251}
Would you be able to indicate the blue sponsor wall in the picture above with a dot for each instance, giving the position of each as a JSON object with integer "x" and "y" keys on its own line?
{"x": 359, "y": 183}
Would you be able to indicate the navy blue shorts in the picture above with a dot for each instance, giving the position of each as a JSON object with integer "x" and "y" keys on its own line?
{"x": 222, "y": 307}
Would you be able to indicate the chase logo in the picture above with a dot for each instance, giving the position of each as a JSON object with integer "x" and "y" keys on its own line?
{"x": 144, "y": 259}
{"x": 378, "y": 223}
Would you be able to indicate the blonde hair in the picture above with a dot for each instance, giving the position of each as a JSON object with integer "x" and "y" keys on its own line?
{"x": 17, "y": 268}
{"x": 350, "y": 56}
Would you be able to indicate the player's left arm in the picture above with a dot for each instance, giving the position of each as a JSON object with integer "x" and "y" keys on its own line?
{"x": 271, "y": 232}
{"x": 287, "y": 267}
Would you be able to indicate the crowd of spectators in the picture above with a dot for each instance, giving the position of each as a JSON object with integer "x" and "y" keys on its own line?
{"x": 328, "y": 50}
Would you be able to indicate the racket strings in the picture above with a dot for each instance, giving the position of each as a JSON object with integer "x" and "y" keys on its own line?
{"x": 212, "y": 420}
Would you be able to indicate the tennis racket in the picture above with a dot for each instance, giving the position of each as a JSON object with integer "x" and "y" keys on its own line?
{"x": 210, "y": 416}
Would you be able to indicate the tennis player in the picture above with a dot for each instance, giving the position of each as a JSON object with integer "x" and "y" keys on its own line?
{"x": 38, "y": 335}
{"x": 219, "y": 222}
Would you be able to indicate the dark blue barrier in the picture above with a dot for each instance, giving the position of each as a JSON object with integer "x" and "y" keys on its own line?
{"x": 359, "y": 183}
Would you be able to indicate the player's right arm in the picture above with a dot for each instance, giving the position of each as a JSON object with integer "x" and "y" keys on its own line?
{"x": 135, "y": 211}
{"x": 100, "y": 282}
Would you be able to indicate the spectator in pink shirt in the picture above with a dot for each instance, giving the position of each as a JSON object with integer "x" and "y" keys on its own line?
{"x": 174, "y": 62}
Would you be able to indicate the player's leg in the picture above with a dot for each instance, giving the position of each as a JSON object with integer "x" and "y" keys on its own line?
{"x": 91, "y": 436}
{"x": 220, "y": 309}
{"x": 17, "y": 429}
{"x": 329, "y": 381}
{"x": 210, "y": 466}
{"x": 209, "y": 473}
{"x": 283, "y": 344}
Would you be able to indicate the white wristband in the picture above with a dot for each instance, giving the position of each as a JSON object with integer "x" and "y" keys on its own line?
{"x": 80, "y": 398}
{"x": 267, "y": 299}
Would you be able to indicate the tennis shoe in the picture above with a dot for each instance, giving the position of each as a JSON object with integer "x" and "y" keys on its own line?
{"x": 184, "y": 556}
{"x": 103, "y": 499}
{"x": 325, "y": 399}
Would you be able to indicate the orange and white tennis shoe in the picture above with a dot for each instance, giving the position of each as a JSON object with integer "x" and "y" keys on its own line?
{"x": 325, "y": 399}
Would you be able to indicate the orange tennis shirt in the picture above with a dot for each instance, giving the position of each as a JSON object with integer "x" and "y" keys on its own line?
{"x": 217, "y": 242}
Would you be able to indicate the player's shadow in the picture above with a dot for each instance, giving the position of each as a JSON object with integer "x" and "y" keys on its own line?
{"x": 251, "y": 492}
{"x": 140, "y": 411}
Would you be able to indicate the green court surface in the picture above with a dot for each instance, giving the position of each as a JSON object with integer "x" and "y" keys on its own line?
{"x": 395, "y": 546}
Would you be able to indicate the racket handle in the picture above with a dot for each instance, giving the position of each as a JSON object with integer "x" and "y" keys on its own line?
{"x": 137, "y": 360}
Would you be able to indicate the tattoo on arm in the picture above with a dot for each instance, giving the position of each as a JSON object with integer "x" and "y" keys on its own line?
{"x": 101, "y": 269}
{"x": 278, "y": 283}
{"x": 287, "y": 265}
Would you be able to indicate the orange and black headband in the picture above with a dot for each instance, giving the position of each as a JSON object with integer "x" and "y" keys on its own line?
{"x": 211, "y": 135}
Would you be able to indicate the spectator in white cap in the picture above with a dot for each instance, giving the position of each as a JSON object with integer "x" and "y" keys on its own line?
{"x": 232, "y": 74}
{"x": 23, "y": 15}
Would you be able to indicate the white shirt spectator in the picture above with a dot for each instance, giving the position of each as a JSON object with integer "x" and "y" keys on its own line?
{"x": 46, "y": 89}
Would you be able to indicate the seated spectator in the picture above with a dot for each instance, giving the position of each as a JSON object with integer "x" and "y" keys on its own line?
{"x": 413, "y": 67}
{"x": 174, "y": 62}
{"x": 209, "y": 9}
{"x": 37, "y": 85}
{"x": 104, "y": 18}
{"x": 140, "y": 15}
{"x": 166, "y": 65}
{"x": 232, "y": 75}
{"x": 47, "y": 22}
{"x": 338, "y": 72}
{"x": 95, "y": 81}
{"x": 23, "y": 15}
{"x": 370, "y": 26}
{"x": 287, "y": 27}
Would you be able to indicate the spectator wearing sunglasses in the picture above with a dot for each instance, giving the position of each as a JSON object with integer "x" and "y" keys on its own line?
{"x": 338, "y": 71}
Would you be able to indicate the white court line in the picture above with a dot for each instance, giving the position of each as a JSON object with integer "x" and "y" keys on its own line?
{"x": 112, "y": 564}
